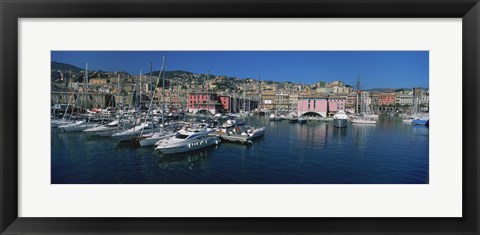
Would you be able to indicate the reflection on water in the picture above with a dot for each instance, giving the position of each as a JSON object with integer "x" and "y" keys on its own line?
{"x": 314, "y": 152}
{"x": 197, "y": 158}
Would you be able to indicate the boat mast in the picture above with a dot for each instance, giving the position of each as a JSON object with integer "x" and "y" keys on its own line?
{"x": 151, "y": 98}
{"x": 244, "y": 111}
{"x": 259, "y": 91}
{"x": 163, "y": 92}
{"x": 140, "y": 92}
{"x": 358, "y": 91}
{"x": 86, "y": 86}
{"x": 208, "y": 97}
{"x": 118, "y": 90}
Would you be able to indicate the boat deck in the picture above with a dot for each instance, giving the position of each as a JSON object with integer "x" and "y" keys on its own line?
{"x": 232, "y": 138}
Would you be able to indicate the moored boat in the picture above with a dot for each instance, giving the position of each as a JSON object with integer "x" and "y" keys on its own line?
{"x": 420, "y": 121}
{"x": 151, "y": 139}
{"x": 54, "y": 123}
{"x": 407, "y": 120}
{"x": 185, "y": 141}
{"x": 274, "y": 117}
{"x": 362, "y": 120}
{"x": 77, "y": 126}
{"x": 107, "y": 129}
{"x": 302, "y": 120}
{"x": 340, "y": 120}
{"x": 166, "y": 132}
{"x": 136, "y": 131}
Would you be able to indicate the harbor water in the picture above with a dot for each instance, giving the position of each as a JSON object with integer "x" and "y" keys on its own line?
{"x": 390, "y": 152}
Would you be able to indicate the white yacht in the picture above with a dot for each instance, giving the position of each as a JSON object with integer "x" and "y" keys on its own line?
{"x": 340, "y": 119}
{"x": 185, "y": 141}
{"x": 136, "y": 131}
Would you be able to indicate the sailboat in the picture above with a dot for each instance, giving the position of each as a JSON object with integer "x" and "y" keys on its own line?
{"x": 54, "y": 123}
{"x": 417, "y": 118}
{"x": 365, "y": 116}
{"x": 149, "y": 139}
{"x": 83, "y": 124}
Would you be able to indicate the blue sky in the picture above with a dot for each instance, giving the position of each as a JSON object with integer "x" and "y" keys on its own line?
{"x": 376, "y": 69}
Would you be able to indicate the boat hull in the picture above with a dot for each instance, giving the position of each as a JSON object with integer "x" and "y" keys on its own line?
{"x": 127, "y": 136}
{"x": 76, "y": 128}
{"x": 150, "y": 141}
{"x": 257, "y": 132}
{"x": 371, "y": 122}
{"x": 340, "y": 123}
{"x": 57, "y": 123}
{"x": 103, "y": 132}
{"x": 421, "y": 122}
{"x": 188, "y": 146}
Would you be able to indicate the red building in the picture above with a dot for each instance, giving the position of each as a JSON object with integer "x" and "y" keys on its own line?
{"x": 218, "y": 104}
{"x": 226, "y": 102}
{"x": 203, "y": 101}
{"x": 385, "y": 99}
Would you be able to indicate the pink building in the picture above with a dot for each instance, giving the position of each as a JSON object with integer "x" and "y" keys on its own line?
{"x": 336, "y": 104}
{"x": 320, "y": 106}
{"x": 312, "y": 105}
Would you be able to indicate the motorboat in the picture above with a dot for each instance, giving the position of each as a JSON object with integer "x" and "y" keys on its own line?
{"x": 340, "y": 119}
{"x": 185, "y": 141}
{"x": 242, "y": 134}
{"x": 302, "y": 120}
{"x": 255, "y": 132}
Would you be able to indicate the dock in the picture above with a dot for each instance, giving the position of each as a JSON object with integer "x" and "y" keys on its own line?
{"x": 320, "y": 119}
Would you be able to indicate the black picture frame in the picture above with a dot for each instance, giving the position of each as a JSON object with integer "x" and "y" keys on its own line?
{"x": 11, "y": 11}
